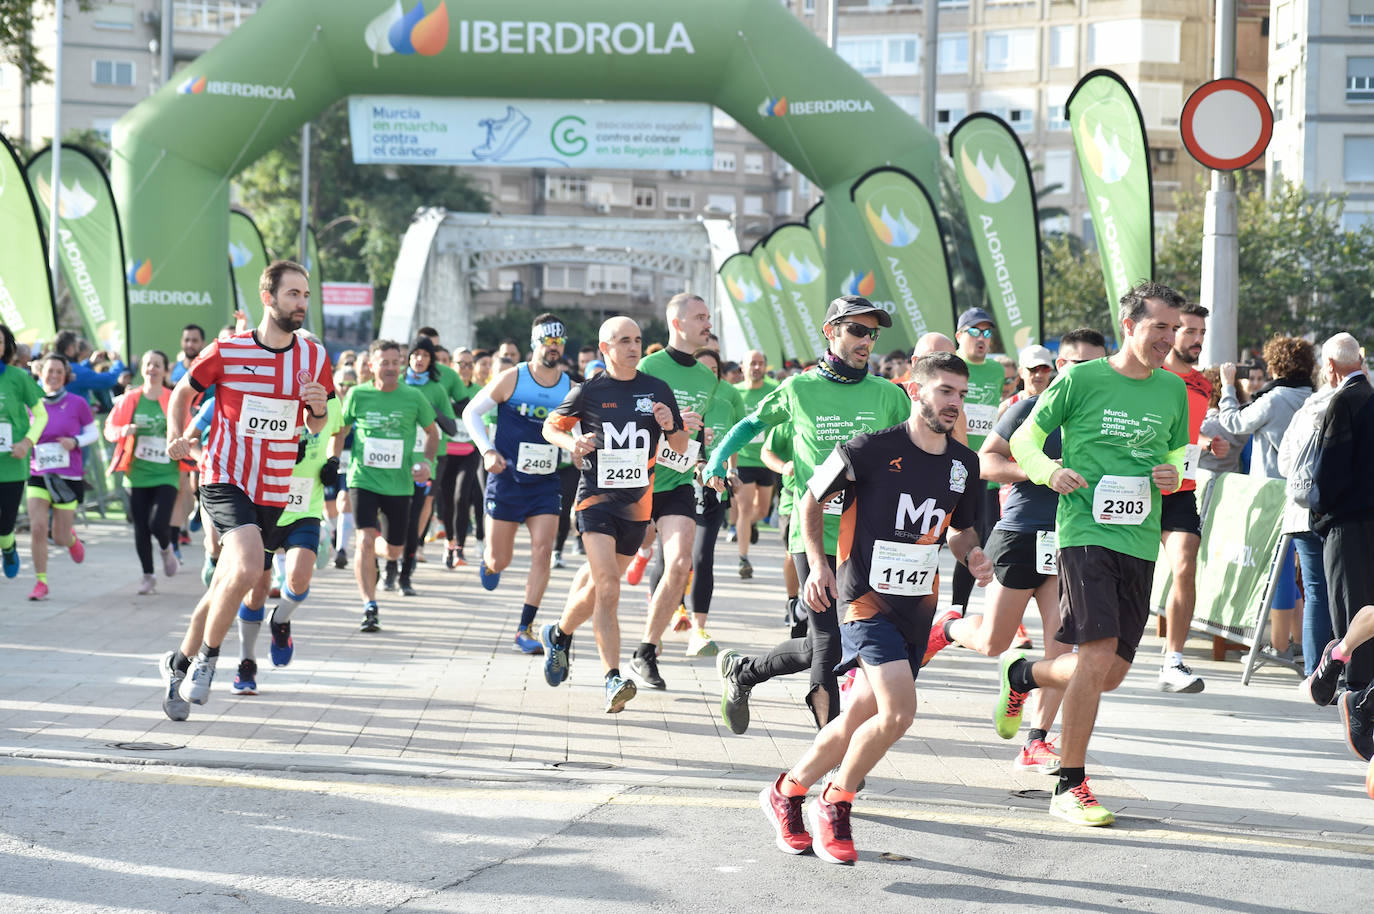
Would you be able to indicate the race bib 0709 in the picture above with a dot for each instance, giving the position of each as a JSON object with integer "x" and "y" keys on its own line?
{"x": 266, "y": 417}
{"x": 671, "y": 459}
{"x": 383, "y": 453}
{"x": 152, "y": 448}
{"x": 903, "y": 569}
{"x": 1121, "y": 500}
{"x": 536, "y": 459}
{"x": 622, "y": 468}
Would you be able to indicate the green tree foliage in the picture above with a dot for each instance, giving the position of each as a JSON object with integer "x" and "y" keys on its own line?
{"x": 359, "y": 212}
{"x": 17, "y": 19}
{"x": 1075, "y": 295}
{"x": 583, "y": 327}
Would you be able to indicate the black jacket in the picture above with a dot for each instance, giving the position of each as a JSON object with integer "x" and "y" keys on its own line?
{"x": 1345, "y": 466}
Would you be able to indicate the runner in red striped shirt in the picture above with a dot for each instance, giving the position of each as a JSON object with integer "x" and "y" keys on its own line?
{"x": 266, "y": 382}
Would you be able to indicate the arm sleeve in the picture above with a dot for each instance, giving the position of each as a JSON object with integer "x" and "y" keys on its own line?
{"x": 424, "y": 411}
{"x": 447, "y": 424}
{"x": 479, "y": 406}
{"x": 40, "y": 421}
{"x": 1028, "y": 447}
{"x": 743, "y": 432}
{"x": 89, "y": 433}
{"x": 965, "y": 513}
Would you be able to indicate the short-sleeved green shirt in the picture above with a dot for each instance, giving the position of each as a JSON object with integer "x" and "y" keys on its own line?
{"x": 18, "y": 394}
{"x": 307, "y": 491}
{"x": 384, "y": 436}
{"x": 693, "y": 386}
{"x": 150, "y": 421}
{"x": 748, "y": 456}
{"x": 438, "y": 397}
{"x": 778, "y": 440}
{"x": 985, "y": 383}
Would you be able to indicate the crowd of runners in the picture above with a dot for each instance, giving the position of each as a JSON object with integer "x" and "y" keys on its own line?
{"x": 1057, "y": 481}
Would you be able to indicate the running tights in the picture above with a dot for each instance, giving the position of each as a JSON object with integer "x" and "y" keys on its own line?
{"x": 704, "y": 554}
{"x": 11, "y": 493}
{"x": 150, "y": 509}
{"x": 459, "y": 494}
{"x": 567, "y": 482}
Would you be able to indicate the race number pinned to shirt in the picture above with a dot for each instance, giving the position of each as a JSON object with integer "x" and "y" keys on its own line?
{"x": 981, "y": 418}
{"x": 1191, "y": 455}
{"x": 622, "y": 468}
{"x": 536, "y": 459}
{"x": 152, "y": 448}
{"x": 1047, "y": 552}
{"x": 671, "y": 459}
{"x": 265, "y": 417}
{"x": 1122, "y": 500}
{"x": 6, "y": 436}
{"x": 383, "y": 453}
{"x": 903, "y": 569}
{"x": 834, "y": 506}
{"x": 299, "y": 492}
{"x": 51, "y": 455}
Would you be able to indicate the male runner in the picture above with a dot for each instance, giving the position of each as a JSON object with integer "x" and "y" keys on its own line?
{"x": 985, "y": 381}
{"x": 264, "y": 380}
{"x": 1022, "y": 550}
{"x": 522, "y": 468}
{"x": 675, "y": 501}
{"x": 1125, "y": 430}
{"x": 833, "y": 403}
{"x": 754, "y": 494}
{"x": 623, "y": 413}
{"x": 383, "y": 468}
{"x": 1179, "y": 519}
{"x": 903, "y": 488}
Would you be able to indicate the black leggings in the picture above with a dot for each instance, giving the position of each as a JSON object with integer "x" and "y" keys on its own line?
{"x": 150, "y": 509}
{"x": 704, "y": 554}
{"x": 820, "y": 651}
{"x": 11, "y": 494}
{"x": 458, "y": 493}
{"x": 986, "y": 512}
{"x": 413, "y": 531}
{"x": 567, "y": 483}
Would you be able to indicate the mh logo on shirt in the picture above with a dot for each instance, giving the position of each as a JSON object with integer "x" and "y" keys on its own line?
{"x": 629, "y": 435}
{"x": 929, "y": 518}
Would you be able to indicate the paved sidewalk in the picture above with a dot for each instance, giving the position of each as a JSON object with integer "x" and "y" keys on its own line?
{"x": 440, "y": 693}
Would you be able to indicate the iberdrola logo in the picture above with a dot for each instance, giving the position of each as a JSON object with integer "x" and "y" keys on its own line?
{"x": 767, "y": 273}
{"x": 894, "y": 231}
{"x": 863, "y": 284}
{"x": 798, "y": 272}
{"x": 140, "y": 272}
{"x": 992, "y": 183}
{"x": 744, "y": 291}
{"x": 415, "y": 32}
{"x": 239, "y": 255}
{"x": 773, "y": 107}
{"x": 193, "y": 86}
{"x": 1105, "y": 157}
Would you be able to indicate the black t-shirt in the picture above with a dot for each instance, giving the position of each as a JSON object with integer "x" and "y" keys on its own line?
{"x": 897, "y": 508}
{"x": 621, "y": 415}
{"x": 1029, "y": 507}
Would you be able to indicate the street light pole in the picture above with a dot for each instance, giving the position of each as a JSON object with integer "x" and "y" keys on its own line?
{"x": 931, "y": 51}
{"x": 1220, "y": 248}
{"x": 55, "y": 200}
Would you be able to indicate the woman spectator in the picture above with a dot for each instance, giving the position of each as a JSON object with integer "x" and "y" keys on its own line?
{"x": 138, "y": 428}
{"x": 1223, "y": 457}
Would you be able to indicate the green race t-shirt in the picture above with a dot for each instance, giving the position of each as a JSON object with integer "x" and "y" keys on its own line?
{"x": 748, "y": 455}
{"x": 1119, "y": 427}
{"x": 725, "y": 409}
{"x": 778, "y": 440}
{"x": 306, "y": 496}
{"x": 438, "y": 397}
{"x": 384, "y": 436}
{"x": 153, "y": 467}
{"x": 984, "y": 396}
{"x": 823, "y": 413}
{"x": 692, "y": 386}
{"x": 18, "y": 393}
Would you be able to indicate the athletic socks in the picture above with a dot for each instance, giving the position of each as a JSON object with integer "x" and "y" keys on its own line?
{"x": 1020, "y": 676}
{"x": 250, "y": 626}
{"x": 180, "y": 662}
{"x": 527, "y": 613}
{"x": 1034, "y": 735}
{"x": 207, "y": 651}
{"x": 612, "y": 673}
{"x": 7, "y": 542}
{"x": 833, "y": 794}
{"x": 1069, "y": 778}
{"x": 344, "y": 534}
{"x": 646, "y": 649}
{"x": 289, "y": 601}
{"x": 1338, "y": 654}
{"x": 42, "y": 577}
{"x": 791, "y": 787}
{"x": 560, "y": 637}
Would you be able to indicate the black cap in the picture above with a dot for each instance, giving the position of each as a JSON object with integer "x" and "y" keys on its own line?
{"x": 850, "y": 305}
{"x": 972, "y": 317}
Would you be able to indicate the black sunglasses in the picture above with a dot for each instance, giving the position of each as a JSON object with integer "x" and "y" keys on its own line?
{"x": 856, "y": 329}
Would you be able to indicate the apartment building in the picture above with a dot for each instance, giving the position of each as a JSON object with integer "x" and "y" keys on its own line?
{"x": 1321, "y": 83}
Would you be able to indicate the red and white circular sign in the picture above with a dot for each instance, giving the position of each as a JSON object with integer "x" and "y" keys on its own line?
{"x": 1226, "y": 124}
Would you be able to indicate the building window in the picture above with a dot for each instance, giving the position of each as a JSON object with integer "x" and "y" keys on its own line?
{"x": 1359, "y": 158}
{"x": 903, "y": 56}
{"x": 103, "y": 126}
{"x": 1056, "y": 118}
{"x": 113, "y": 16}
{"x": 1009, "y": 49}
{"x": 1362, "y": 12}
{"x": 725, "y": 161}
{"x": 1283, "y": 24}
{"x": 565, "y": 278}
{"x": 1280, "y": 89}
{"x": 953, "y": 4}
{"x": 112, "y": 72}
{"x": 645, "y": 197}
{"x": 506, "y": 279}
{"x": 809, "y": 7}
{"x": 1064, "y": 46}
{"x": 863, "y": 54}
{"x": 222, "y": 16}
{"x": 911, "y": 104}
{"x": 1134, "y": 41}
{"x": 784, "y": 202}
{"x": 1357, "y": 222}
{"x": 953, "y": 52}
{"x": 722, "y": 121}
{"x": 566, "y": 190}
{"x": 721, "y": 203}
{"x": 753, "y": 163}
{"x": 677, "y": 201}
{"x": 803, "y": 187}
{"x": 510, "y": 193}
{"x": 753, "y": 205}
{"x": 1160, "y": 104}
{"x": 1057, "y": 175}
{"x": 949, "y": 111}
{"x": 1359, "y": 79}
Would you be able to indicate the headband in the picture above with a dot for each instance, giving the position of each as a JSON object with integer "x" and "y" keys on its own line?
{"x": 548, "y": 328}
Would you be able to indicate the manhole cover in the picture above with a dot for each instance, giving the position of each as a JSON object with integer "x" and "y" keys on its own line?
{"x": 1031, "y": 794}
{"x": 584, "y": 766}
{"x": 144, "y": 747}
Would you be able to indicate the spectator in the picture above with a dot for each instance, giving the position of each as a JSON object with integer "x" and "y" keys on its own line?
{"x": 731, "y": 373}
{"x": 1272, "y": 406}
{"x": 1012, "y": 382}
{"x": 1222, "y": 452}
{"x": 83, "y": 378}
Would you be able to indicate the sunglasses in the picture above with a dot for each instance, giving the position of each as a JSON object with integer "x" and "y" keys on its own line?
{"x": 552, "y": 340}
{"x": 985, "y": 333}
{"x": 858, "y": 330}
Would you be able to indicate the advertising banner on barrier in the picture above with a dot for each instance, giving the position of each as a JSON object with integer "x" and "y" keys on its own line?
{"x": 347, "y": 308}
{"x": 247, "y": 260}
{"x": 531, "y": 133}
{"x": 995, "y": 184}
{"x": 904, "y": 232}
{"x": 742, "y": 283}
{"x": 799, "y": 265}
{"x": 89, "y": 245}
{"x": 314, "y": 317}
{"x": 1113, "y": 157}
{"x": 26, "y": 304}
{"x": 787, "y": 324}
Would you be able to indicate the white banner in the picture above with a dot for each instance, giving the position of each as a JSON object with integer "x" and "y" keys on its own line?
{"x": 400, "y": 130}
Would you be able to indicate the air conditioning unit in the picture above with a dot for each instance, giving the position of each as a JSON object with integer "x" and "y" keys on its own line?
{"x": 603, "y": 208}
{"x": 1165, "y": 156}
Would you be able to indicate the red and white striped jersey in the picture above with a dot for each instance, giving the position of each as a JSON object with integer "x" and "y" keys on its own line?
{"x": 253, "y": 437}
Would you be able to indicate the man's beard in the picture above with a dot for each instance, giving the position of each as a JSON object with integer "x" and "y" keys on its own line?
{"x": 932, "y": 419}
{"x": 287, "y": 324}
{"x": 550, "y": 360}
{"x": 1187, "y": 357}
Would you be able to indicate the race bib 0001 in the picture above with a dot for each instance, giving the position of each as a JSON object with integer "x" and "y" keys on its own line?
{"x": 903, "y": 569}
{"x": 151, "y": 448}
{"x": 1121, "y": 500}
{"x": 622, "y": 468}
{"x": 265, "y": 417}
{"x": 383, "y": 453}
{"x": 536, "y": 459}
{"x": 671, "y": 459}
{"x": 1191, "y": 454}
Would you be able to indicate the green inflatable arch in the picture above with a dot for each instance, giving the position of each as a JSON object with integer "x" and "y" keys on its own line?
{"x": 176, "y": 152}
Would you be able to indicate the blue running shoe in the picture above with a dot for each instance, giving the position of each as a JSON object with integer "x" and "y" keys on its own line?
{"x": 489, "y": 578}
{"x": 207, "y": 570}
{"x": 618, "y": 692}
{"x": 246, "y": 682}
{"x": 526, "y": 642}
{"x": 12, "y": 562}
{"x": 556, "y": 664}
{"x": 282, "y": 648}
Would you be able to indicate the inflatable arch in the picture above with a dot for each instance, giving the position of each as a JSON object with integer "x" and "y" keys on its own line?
{"x": 176, "y": 152}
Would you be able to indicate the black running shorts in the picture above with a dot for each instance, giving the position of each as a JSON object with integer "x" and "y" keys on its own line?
{"x": 1103, "y": 594}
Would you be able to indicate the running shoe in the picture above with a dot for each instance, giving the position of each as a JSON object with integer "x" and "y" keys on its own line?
{"x": 646, "y": 669}
{"x": 1079, "y": 806}
{"x": 458, "y": 559}
{"x": 830, "y": 835}
{"x": 700, "y": 644}
{"x": 1038, "y": 756}
{"x": 557, "y": 561}
{"x": 282, "y": 648}
{"x": 938, "y": 640}
{"x": 1321, "y": 686}
{"x": 618, "y": 692}
{"x": 77, "y": 550}
{"x": 148, "y": 586}
{"x": 488, "y": 577}
{"x": 246, "y": 682}
{"x": 11, "y": 562}
{"x": 176, "y": 548}
{"x": 1006, "y": 716}
{"x": 1369, "y": 780}
{"x": 753, "y": 534}
{"x": 195, "y": 525}
{"x": 420, "y": 555}
{"x": 1178, "y": 678}
{"x": 184, "y": 539}
{"x": 196, "y": 688}
{"x": 207, "y": 570}
{"x": 730, "y": 535}
{"x": 451, "y": 557}
{"x": 1357, "y": 718}
{"x": 526, "y": 642}
{"x": 734, "y": 697}
{"x": 170, "y": 563}
{"x": 634, "y": 573}
{"x": 556, "y": 665}
{"x": 370, "y": 623}
{"x": 1022, "y": 641}
{"x": 340, "y": 558}
{"x": 785, "y": 815}
{"x": 39, "y": 592}
{"x": 173, "y": 705}
{"x": 407, "y": 590}
{"x": 746, "y": 570}
{"x": 788, "y": 611}
{"x": 389, "y": 585}
{"x": 681, "y": 621}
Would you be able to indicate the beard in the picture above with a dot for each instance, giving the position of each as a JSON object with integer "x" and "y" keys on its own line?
{"x": 932, "y": 419}
{"x": 1186, "y": 356}
{"x": 550, "y": 360}
{"x": 286, "y": 322}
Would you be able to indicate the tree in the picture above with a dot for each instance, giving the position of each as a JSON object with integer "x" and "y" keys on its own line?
{"x": 583, "y": 327}
{"x": 17, "y": 18}
{"x": 1075, "y": 295}
{"x": 359, "y": 212}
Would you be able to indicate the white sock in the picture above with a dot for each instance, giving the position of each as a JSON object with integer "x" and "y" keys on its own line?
{"x": 344, "y": 534}
{"x": 1173, "y": 658}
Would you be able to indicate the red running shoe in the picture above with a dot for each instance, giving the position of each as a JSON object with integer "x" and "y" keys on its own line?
{"x": 1038, "y": 756}
{"x": 1022, "y": 640}
{"x": 77, "y": 550}
{"x": 786, "y": 815}
{"x": 830, "y": 823}
{"x": 938, "y": 639}
{"x": 635, "y": 573}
